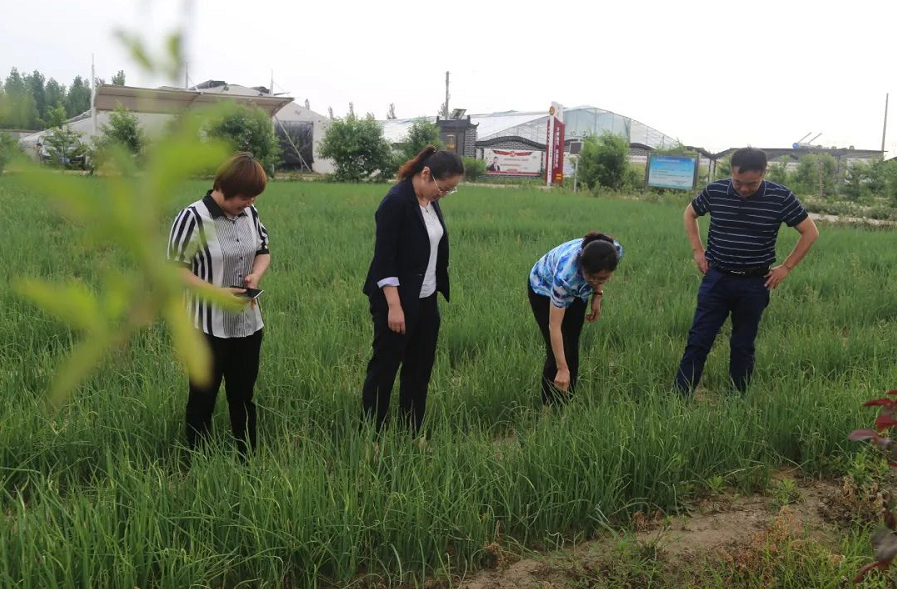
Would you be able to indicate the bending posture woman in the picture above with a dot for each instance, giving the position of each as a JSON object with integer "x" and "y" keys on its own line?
{"x": 559, "y": 286}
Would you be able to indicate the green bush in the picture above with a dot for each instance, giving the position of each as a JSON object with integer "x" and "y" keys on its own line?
{"x": 65, "y": 149}
{"x": 778, "y": 172}
{"x": 357, "y": 148}
{"x": 473, "y": 168}
{"x": 421, "y": 134}
{"x": 248, "y": 128}
{"x": 855, "y": 181}
{"x": 604, "y": 161}
{"x": 122, "y": 132}
{"x": 816, "y": 174}
{"x": 9, "y": 147}
{"x": 882, "y": 178}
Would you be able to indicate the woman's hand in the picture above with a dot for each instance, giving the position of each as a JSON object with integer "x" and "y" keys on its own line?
{"x": 596, "y": 309}
{"x": 238, "y": 294}
{"x": 396, "y": 319}
{"x": 562, "y": 379}
{"x": 252, "y": 280}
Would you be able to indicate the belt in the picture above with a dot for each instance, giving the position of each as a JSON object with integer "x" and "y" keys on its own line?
{"x": 752, "y": 271}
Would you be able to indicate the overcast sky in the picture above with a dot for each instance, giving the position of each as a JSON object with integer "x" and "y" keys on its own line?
{"x": 713, "y": 74}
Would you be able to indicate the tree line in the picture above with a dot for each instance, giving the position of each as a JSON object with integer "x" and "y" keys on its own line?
{"x": 31, "y": 101}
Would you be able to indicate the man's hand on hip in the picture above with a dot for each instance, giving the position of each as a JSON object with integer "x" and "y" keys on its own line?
{"x": 701, "y": 262}
{"x": 776, "y": 276}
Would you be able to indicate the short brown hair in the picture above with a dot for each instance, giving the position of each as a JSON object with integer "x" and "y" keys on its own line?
{"x": 240, "y": 174}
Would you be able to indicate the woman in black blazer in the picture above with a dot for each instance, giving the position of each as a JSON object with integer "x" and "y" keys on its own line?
{"x": 410, "y": 265}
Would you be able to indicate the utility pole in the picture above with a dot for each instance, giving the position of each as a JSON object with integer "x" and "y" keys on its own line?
{"x": 445, "y": 114}
{"x": 93, "y": 95}
{"x": 884, "y": 130}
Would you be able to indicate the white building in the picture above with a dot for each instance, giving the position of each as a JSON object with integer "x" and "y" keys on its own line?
{"x": 155, "y": 107}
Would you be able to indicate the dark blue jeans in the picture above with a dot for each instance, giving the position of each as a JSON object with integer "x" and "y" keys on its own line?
{"x": 745, "y": 298}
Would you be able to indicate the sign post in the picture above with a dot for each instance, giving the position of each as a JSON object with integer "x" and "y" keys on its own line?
{"x": 554, "y": 146}
{"x": 667, "y": 171}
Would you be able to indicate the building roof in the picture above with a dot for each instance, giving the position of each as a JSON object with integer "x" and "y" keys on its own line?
{"x": 174, "y": 101}
{"x": 580, "y": 120}
{"x": 774, "y": 153}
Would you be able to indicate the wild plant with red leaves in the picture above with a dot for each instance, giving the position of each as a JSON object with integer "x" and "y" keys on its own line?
{"x": 884, "y": 540}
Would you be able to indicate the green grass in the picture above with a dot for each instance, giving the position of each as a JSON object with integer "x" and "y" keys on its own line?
{"x": 98, "y": 493}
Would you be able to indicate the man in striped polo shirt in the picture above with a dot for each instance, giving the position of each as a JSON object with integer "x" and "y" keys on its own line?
{"x": 746, "y": 212}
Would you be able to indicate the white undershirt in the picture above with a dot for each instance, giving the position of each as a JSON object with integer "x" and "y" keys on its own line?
{"x": 435, "y": 232}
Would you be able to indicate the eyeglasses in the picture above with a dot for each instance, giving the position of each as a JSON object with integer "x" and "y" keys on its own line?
{"x": 441, "y": 191}
{"x": 595, "y": 280}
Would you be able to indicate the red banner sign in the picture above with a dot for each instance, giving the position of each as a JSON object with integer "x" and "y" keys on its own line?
{"x": 554, "y": 152}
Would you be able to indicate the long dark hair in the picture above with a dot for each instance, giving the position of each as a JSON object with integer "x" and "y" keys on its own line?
{"x": 599, "y": 252}
{"x": 442, "y": 163}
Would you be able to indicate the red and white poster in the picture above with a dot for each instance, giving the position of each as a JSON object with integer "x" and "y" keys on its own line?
{"x": 513, "y": 162}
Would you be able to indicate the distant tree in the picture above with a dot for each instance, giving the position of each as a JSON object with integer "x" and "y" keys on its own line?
{"x": 119, "y": 78}
{"x": 391, "y": 113}
{"x": 15, "y": 84}
{"x": 307, "y": 104}
{"x": 816, "y": 174}
{"x": 357, "y": 148}
{"x": 856, "y": 178}
{"x": 64, "y": 148}
{"x": 20, "y": 111}
{"x": 421, "y": 134}
{"x": 474, "y": 168}
{"x": 889, "y": 181}
{"x": 604, "y": 161}
{"x": 55, "y": 94}
{"x": 35, "y": 82}
{"x": 330, "y": 113}
{"x": 249, "y": 128}
{"x": 55, "y": 117}
{"x": 123, "y": 131}
{"x": 677, "y": 149}
{"x": 778, "y": 171}
{"x": 351, "y": 109}
{"x": 77, "y": 101}
{"x": 8, "y": 148}
{"x": 723, "y": 168}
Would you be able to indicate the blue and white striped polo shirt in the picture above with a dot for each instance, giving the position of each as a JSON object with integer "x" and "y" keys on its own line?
{"x": 558, "y": 276}
{"x": 743, "y": 231}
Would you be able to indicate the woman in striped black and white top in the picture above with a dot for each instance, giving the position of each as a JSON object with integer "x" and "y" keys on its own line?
{"x": 220, "y": 241}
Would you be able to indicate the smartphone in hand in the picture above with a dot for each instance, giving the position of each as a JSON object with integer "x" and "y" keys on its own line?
{"x": 251, "y": 293}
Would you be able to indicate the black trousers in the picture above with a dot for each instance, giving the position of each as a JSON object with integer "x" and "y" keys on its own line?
{"x": 237, "y": 361}
{"x": 415, "y": 351}
{"x": 571, "y": 328}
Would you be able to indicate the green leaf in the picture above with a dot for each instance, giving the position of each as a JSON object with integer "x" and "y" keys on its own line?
{"x": 83, "y": 360}
{"x": 72, "y": 303}
{"x": 189, "y": 344}
{"x": 72, "y": 193}
{"x": 135, "y": 46}
{"x": 118, "y": 294}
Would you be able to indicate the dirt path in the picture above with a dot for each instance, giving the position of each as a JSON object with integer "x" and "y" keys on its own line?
{"x": 852, "y": 220}
{"x": 723, "y": 528}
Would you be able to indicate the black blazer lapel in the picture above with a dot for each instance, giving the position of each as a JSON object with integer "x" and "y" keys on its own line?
{"x": 415, "y": 205}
